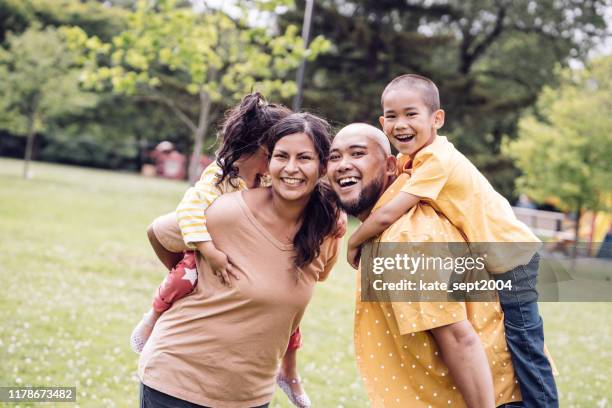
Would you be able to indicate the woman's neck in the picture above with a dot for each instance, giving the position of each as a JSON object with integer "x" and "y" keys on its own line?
{"x": 289, "y": 212}
{"x": 280, "y": 217}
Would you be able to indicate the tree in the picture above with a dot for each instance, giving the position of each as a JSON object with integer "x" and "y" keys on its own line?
{"x": 115, "y": 132}
{"x": 190, "y": 61}
{"x": 37, "y": 82}
{"x": 564, "y": 147}
{"x": 94, "y": 18}
{"x": 490, "y": 59}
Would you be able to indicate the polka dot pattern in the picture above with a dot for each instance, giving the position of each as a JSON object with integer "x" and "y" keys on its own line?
{"x": 406, "y": 368}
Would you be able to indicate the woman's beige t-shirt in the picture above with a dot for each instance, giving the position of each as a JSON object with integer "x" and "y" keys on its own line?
{"x": 221, "y": 346}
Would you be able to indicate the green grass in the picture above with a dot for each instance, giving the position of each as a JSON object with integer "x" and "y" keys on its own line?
{"x": 77, "y": 273}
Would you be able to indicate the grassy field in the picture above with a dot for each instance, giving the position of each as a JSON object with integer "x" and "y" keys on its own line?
{"x": 77, "y": 273}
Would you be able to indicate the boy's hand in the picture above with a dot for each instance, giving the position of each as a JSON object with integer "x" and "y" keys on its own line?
{"x": 220, "y": 264}
{"x": 341, "y": 225}
{"x": 353, "y": 254}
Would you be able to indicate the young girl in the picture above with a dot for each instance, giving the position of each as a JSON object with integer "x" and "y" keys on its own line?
{"x": 241, "y": 164}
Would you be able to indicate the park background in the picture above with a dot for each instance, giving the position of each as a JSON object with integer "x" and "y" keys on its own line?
{"x": 88, "y": 88}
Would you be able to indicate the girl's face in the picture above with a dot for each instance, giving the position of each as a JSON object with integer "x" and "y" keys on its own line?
{"x": 252, "y": 168}
{"x": 294, "y": 167}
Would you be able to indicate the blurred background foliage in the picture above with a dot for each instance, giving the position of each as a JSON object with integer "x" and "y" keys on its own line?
{"x": 492, "y": 59}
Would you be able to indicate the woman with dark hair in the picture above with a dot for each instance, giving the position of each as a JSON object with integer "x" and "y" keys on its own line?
{"x": 222, "y": 345}
{"x": 241, "y": 161}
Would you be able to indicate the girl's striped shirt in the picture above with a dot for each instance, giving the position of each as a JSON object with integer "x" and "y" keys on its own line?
{"x": 190, "y": 212}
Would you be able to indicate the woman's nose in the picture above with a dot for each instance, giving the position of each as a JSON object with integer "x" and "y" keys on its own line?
{"x": 291, "y": 166}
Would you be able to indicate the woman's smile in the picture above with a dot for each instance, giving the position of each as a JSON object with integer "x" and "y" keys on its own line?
{"x": 292, "y": 181}
{"x": 294, "y": 166}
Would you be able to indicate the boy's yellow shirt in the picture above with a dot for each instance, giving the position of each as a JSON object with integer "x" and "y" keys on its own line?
{"x": 445, "y": 178}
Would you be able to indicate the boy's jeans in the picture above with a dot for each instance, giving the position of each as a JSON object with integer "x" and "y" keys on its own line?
{"x": 525, "y": 336}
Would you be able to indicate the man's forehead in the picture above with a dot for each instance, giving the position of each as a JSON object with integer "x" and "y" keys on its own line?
{"x": 355, "y": 140}
{"x": 348, "y": 138}
{"x": 359, "y": 135}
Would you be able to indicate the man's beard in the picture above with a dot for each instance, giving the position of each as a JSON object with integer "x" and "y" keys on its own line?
{"x": 366, "y": 200}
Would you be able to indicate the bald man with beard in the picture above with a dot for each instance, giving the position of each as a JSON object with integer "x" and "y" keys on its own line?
{"x": 398, "y": 357}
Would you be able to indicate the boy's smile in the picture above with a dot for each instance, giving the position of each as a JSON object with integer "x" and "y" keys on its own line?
{"x": 407, "y": 121}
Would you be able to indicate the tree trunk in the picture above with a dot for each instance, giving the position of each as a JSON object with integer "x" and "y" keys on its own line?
{"x": 198, "y": 137}
{"x": 140, "y": 152}
{"x": 29, "y": 146}
{"x": 577, "y": 231}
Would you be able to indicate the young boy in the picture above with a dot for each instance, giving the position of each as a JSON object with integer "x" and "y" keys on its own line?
{"x": 444, "y": 178}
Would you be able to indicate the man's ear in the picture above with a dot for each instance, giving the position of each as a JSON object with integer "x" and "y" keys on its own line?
{"x": 439, "y": 119}
{"x": 381, "y": 120}
{"x": 391, "y": 165}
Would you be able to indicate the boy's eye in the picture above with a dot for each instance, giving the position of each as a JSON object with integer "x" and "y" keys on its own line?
{"x": 334, "y": 157}
{"x": 357, "y": 154}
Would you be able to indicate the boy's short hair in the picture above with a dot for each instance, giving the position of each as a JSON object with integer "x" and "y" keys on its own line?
{"x": 427, "y": 88}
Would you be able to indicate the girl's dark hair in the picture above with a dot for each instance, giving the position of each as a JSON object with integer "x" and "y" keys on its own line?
{"x": 321, "y": 213}
{"x": 242, "y": 131}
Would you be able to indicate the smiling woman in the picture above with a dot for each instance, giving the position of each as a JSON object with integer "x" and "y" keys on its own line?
{"x": 294, "y": 166}
{"x": 222, "y": 345}
{"x": 299, "y": 146}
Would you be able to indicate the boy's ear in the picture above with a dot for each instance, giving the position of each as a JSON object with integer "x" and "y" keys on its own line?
{"x": 439, "y": 118}
{"x": 382, "y": 121}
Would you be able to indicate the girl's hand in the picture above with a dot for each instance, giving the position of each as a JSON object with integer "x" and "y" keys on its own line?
{"x": 219, "y": 263}
{"x": 341, "y": 225}
{"x": 353, "y": 254}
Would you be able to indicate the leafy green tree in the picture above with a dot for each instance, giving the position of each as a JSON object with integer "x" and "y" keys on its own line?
{"x": 116, "y": 133}
{"x": 564, "y": 148}
{"x": 191, "y": 62}
{"x": 490, "y": 59}
{"x": 37, "y": 82}
{"x": 94, "y": 18}
{"x": 117, "y": 130}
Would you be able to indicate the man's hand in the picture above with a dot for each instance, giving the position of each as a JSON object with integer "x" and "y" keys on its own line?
{"x": 341, "y": 225}
{"x": 219, "y": 263}
{"x": 353, "y": 254}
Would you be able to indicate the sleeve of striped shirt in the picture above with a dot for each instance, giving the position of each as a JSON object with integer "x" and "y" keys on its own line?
{"x": 191, "y": 209}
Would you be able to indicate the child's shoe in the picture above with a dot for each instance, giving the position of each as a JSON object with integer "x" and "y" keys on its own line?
{"x": 141, "y": 333}
{"x": 299, "y": 400}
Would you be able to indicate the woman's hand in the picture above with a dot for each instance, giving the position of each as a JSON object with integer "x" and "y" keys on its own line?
{"x": 219, "y": 263}
{"x": 341, "y": 225}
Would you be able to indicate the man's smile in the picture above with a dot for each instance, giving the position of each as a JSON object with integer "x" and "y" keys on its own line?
{"x": 347, "y": 183}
